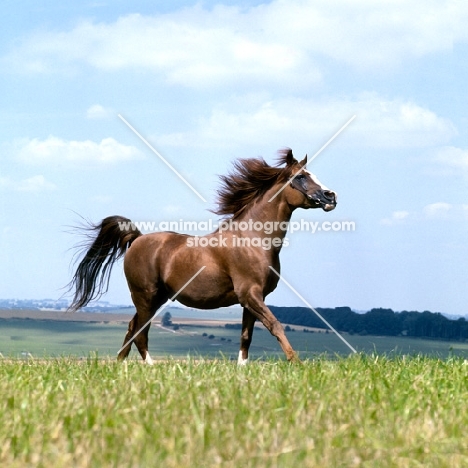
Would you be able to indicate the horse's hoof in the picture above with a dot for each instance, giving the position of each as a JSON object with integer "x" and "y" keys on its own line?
{"x": 148, "y": 359}
{"x": 241, "y": 361}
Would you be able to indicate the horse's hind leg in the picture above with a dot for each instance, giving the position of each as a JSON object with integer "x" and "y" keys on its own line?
{"x": 127, "y": 343}
{"x": 253, "y": 300}
{"x": 138, "y": 328}
{"x": 248, "y": 322}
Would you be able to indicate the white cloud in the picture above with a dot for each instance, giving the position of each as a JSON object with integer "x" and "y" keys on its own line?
{"x": 365, "y": 33}
{"x": 453, "y": 159}
{"x": 379, "y": 123}
{"x": 397, "y": 217}
{"x": 101, "y": 199}
{"x": 57, "y": 150}
{"x": 36, "y": 183}
{"x": 399, "y": 124}
{"x": 284, "y": 41}
{"x": 439, "y": 210}
{"x": 191, "y": 47}
{"x": 171, "y": 209}
{"x": 98, "y": 112}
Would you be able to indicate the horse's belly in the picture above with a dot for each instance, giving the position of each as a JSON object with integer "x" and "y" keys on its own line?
{"x": 207, "y": 297}
{"x": 208, "y": 303}
{"x": 209, "y": 289}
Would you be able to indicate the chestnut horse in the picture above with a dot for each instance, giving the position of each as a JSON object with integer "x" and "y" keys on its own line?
{"x": 257, "y": 201}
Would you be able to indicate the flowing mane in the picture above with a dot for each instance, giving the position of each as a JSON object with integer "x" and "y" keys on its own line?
{"x": 249, "y": 180}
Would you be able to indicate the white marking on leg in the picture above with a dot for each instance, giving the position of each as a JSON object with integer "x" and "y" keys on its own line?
{"x": 148, "y": 359}
{"x": 241, "y": 361}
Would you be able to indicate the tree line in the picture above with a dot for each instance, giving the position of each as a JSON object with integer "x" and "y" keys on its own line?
{"x": 377, "y": 322}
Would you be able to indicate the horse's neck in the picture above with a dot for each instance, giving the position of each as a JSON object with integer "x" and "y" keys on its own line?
{"x": 274, "y": 215}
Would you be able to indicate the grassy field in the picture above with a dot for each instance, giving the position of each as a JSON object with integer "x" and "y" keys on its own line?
{"x": 400, "y": 402}
{"x": 358, "y": 411}
{"x": 49, "y": 338}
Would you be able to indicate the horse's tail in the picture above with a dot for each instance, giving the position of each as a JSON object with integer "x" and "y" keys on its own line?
{"x": 91, "y": 279}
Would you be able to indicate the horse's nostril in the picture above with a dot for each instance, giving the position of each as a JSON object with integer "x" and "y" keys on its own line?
{"x": 329, "y": 194}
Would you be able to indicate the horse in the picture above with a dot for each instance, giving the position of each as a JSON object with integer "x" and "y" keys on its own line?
{"x": 238, "y": 263}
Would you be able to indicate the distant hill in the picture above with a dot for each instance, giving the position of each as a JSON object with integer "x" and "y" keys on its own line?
{"x": 377, "y": 321}
{"x": 383, "y": 322}
{"x": 57, "y": 304}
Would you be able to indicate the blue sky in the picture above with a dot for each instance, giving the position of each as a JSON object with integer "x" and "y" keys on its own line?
{"x": 207, "y": 83}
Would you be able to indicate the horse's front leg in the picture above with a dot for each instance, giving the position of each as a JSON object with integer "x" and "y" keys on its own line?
{"x": 248, "y": 322}
{"x": 253, "y": 301}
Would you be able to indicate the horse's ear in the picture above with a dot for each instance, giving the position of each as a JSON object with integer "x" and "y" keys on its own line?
{"x": 290, "y": 159}
{"x": 304, "y": 161}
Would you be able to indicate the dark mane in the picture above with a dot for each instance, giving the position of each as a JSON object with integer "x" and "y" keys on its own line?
{"x": 249, "y": 180}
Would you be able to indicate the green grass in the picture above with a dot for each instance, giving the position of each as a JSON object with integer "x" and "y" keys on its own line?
{"x": 359, "y": 411}
{"x": 55, "y": 338}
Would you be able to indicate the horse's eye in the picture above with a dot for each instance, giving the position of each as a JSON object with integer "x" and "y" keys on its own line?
{"x": 300, "y": 176}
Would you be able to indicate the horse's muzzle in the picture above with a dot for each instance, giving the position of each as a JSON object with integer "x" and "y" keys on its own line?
{"x": 327, "y": 199}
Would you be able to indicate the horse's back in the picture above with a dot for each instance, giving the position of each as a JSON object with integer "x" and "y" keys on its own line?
{"x": 167, "y": 260}
{"x": 148, "y": 253}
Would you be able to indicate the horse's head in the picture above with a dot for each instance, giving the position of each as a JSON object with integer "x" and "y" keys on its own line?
{"x": 305, "y": 190}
